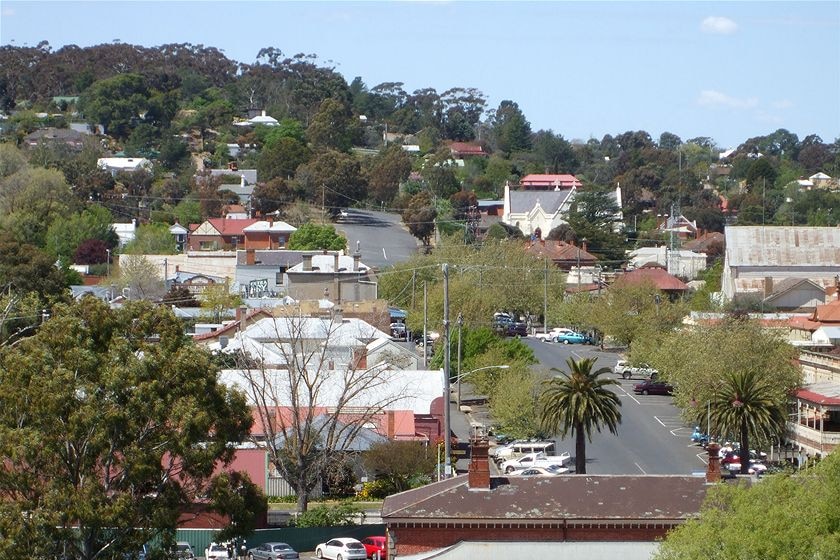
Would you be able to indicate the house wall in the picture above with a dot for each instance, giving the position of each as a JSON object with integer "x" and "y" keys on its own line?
{"x": 817, "y": 367}
{"x": 271, "y": 273}
{"x": 341, "y": 287}
{"x": 805, "y": 297}
{"x": 265, "y": 240}
{"x": 415, "y": 540}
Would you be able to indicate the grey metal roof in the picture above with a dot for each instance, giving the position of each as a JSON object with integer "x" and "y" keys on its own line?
{"x": 782, "y": 246}
{"x": 249, "y": 174}
{"x": 472, "y": 550}
{"x": 550, "y": 201}
{"x": 565, "y": 497}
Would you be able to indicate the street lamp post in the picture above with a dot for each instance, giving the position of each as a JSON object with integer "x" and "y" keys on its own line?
{"x": 466, "y": 373}
{"x": 108, "y": 263}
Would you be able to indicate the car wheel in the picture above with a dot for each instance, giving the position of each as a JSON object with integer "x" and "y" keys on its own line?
{"x": 626, "y": 375}
{"x": 319, "y": 553}
{"x": 338, "y": 557}
{"x": 565, "y": 342}
{"x": 644, "y": 391}
{"x": 509, "y": 470}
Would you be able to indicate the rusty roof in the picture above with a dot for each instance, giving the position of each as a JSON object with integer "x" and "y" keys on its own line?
{"x": 559, "y": 251}
{"x": 655, "y": 498}
{"x": 702, "y": 243}
{"x": 659, "y": 277}
{"x": 783, "y": 246}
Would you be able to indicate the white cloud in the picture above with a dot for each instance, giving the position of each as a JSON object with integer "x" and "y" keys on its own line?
{"x": 7, "y": 12}
{"x": 717, "y": 25}
{"x": 712, "y": 97}
{"x": 782, "y": 104}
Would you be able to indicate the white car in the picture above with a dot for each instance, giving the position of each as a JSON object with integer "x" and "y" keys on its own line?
{"x": 341, "y": 549}
{"x": 551, "y": 336}
{"x": 626, "y": 370}
{"x": 216, "y": 550}
{"x": 534, "y": 460}
{"x": 755, "y": 467}
{"x": 552, "y": 470}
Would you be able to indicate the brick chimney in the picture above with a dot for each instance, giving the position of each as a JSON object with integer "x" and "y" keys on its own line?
{"x": 479, "y": 473}
{"x": 307, "y": 263}
{"x": 391, "y": 422}
{"x": 360, "y": 357}
{"x": 713, "y": 470}
{"x": 335, "y": 262}
{"x": 250, "y": 257}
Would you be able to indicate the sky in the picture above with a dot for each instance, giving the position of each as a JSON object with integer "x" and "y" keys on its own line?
{"x": 726, "y": 70}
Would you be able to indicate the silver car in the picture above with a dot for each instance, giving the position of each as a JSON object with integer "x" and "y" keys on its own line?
{"x": 273, "y": 551}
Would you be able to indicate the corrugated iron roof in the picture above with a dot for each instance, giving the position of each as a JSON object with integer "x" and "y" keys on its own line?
{"x": 570, "y": 497}
{"x": 658, "y": 276}
{"x": 782, "y": 246}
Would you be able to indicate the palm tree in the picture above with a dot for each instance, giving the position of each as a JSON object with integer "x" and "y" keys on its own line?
{"x": 751, "y": 405}
{"x": 579, "y": 401}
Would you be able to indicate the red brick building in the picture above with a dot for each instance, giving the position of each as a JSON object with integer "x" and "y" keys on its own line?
{"x": 557, "y": 509}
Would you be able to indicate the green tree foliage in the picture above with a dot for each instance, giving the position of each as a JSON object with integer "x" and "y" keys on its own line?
{"x": 217, "y": 298}
{"x": 578, "y": 401}
{"x": 12, "y": 159}
{"x": 333, "y": 126}
{"x": 700, "y": 361}
{"x": 441, "y": 180}
{"x": 333, "y": 179}
{"x": 24, "y": 268}
{"x": 514, "y": 404}
{"x": 388, "y": 169}
{"x": 511, "y": 131}
{"x": 636, "y": 314}
{"x": 280, "y": 158}
{"x": 400, "y": 463}
{"x": 111, "y": 424}
{"x": 312, "y": 237}
{"x": 31, "y": 200}
{"x": 593, "y": 216}
{"x": 419, "y": 216}
{"x": 786, "y": 516}
{"x": 64, "y": 236}
{"x": 272, "y": 195}
{"x": 180, "y": 296}
{"x": 91, "y": 251}
{"x": 761, "y": 174}
{"x": 116, "y": 103}
{"x": 324, "y": 515}
{"x": 20, "y": 314}
{"x": 152, "y": 239}
{"x": 747, "y": 404}
{"x": 553, "y": 153}
{"x": 140, "y": 278}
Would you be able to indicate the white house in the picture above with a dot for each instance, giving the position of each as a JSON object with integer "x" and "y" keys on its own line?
{"x": 125, "y": 232}
{"x": 678, "y": 262}
{"x": 532, "y": 209}
{"x": 114, "y": 165}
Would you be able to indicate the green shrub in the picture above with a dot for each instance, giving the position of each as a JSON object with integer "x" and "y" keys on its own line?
{"x": 322, "y": 515}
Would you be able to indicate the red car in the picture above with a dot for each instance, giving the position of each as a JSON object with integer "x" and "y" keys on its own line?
{"x": 375, "y": 547}
{"x": 653, "y": 388}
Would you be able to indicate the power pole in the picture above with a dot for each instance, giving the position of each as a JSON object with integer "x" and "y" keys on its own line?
{"x": 425, "y": 332}
{"x": 545, "y": 296}
{"x": 447, "y": 423}
{"x": 458, "y": 375}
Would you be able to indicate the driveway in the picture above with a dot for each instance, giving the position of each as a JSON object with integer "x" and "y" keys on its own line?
{"x": 380, "y": 236}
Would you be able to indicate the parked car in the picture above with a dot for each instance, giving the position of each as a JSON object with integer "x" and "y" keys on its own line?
{"x": 216, "y": 550}
{"x": 516, "y": 329}
{"x": 551, "y": 335}
{"x": 183, "y": 551}
{"x": 534, "y": 460}
{"x": 520, "y": 447}
{"x": 273, "y": 551}
{"x": 755, "y": 467}
{"x": 376, "y": 547}
{"x": 398, "y": 330}
{"x": 572, "y": 338}
{"x": 341, "y": 549}
{"x": 539, "y": 471}
{"x": 626, "y": 370}
{"x": 652, "y": 388}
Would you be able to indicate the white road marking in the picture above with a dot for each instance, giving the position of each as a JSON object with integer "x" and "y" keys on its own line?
{"x": 640, "y": 468}
{"x": 628, "y": 394}
{"x": 383, "y": 254}
{"x": 660, "y": 421}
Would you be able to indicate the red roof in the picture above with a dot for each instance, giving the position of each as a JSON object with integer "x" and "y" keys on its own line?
{"x": 659, "y": 277}
{"x": 467, "y": 149}
{"x": 231, "y": 227}
{"x": 816, "y": 398}
{"x": 828, "y": 313}
{"x": 548, "y": 180}
{"x": 233, "y": 325}
{"x": 560, "y": 251}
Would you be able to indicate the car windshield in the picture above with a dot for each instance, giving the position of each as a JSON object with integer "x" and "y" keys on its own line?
{"x": 217, "y": 548}
{"x": 182, "y": 547}
{"x": 354, "y": 545}
{"x": 278, "y": 547}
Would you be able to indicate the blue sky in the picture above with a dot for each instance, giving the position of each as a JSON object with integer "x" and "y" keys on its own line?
{"x": 729, "y": 70}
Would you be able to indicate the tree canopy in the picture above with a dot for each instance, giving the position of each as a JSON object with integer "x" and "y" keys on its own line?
{"x": 111, "y": 425}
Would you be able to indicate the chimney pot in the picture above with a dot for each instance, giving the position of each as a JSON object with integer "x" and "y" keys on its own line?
{"x": 713, "y": 470}
{"x": 479, "y": 473}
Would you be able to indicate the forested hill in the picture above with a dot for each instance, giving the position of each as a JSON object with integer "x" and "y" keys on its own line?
{"x": 146, "y": 96}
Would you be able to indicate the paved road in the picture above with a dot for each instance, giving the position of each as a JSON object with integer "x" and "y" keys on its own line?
{"x": 381, "y": 237}
{"x": 652, "y": 439}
